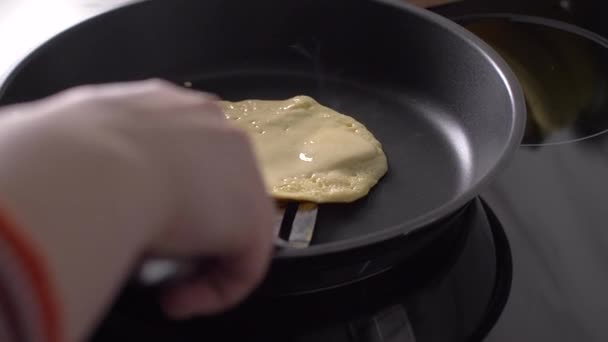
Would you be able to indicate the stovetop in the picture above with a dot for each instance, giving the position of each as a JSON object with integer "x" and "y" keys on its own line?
{"x": 455, "y": 290}
{"x": 551, "y": 198}
{"x": 549, "y": 203}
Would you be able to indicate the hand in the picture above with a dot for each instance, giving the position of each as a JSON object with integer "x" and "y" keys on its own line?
{"x": 99, "y": 174}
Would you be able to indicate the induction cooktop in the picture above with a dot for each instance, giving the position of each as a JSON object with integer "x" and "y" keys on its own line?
{"x": 551, "y": 198}
{"x": 454, "y": 291}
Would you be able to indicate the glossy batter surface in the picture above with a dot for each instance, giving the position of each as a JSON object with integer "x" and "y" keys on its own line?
{"x": 309, "y": 152}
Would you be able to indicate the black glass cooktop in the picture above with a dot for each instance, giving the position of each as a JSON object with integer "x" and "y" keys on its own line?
{"x": 552, "y": 197}
{"x": 453, "y": 292}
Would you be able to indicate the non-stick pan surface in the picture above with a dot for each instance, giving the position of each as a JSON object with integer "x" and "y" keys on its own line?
{"x": 445, "y": 107}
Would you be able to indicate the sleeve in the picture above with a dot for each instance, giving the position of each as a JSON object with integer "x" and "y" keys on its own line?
{"x": 29, "y": 311}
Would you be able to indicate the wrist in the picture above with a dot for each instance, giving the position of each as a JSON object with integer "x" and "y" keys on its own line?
{"x": 29, "y": 305}
{"x": 89, "y": 206}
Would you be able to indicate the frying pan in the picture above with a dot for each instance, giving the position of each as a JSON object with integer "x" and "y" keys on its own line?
{"x": 446, "y": 108}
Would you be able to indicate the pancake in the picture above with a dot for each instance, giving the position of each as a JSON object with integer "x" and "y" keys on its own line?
{"x": 309, "y": 152}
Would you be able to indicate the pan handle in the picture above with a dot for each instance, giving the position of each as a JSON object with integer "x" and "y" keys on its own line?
{"x": 161, "y": 273}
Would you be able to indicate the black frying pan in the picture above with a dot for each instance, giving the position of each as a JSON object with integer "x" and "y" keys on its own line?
{"x": 446, "y": 108}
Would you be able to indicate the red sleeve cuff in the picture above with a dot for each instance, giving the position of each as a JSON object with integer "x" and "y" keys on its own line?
{"x": 33, "y": 267}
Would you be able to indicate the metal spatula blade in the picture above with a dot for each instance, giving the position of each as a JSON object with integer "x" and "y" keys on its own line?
{"x": 294, "y": 227}
{"x": 303, "y": 226}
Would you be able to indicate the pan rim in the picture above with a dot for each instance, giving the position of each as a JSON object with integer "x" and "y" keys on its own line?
{"x": 535, "y": 20}
{"x": 515, "y": 134}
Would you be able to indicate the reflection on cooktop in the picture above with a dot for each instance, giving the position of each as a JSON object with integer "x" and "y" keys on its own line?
{"x": 455, "y": 292}
{"x": 562, "y": 70}
{"x": 551, "y": 197}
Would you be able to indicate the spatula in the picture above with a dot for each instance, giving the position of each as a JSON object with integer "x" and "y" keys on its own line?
{"x": 294, "y": 227}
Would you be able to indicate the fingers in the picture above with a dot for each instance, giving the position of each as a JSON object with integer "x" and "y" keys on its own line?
{"x": 136, "y": 88}
{"x": 235, "y": 270}
{"x": 238, "y": 218}
{"x": 153, "y": 95}
{"x": 157, "y": 87}
{"x": 225, "y": 214}
{"x": 228, "y": 280}
{"x": 226, "y": 284}
{"x": 162, "y": 96}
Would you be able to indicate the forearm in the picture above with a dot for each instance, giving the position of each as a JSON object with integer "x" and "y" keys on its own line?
{"x": 28, "y": 307}
{"x": 72, "y": 211}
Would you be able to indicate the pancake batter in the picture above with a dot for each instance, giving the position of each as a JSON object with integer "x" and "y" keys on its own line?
{"x": 309, "y": 152}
